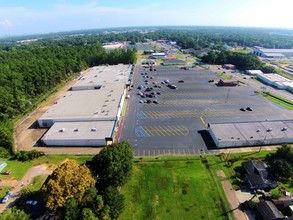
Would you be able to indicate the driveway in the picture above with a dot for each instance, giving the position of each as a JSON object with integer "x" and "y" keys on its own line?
{"x": 26, "y": 180}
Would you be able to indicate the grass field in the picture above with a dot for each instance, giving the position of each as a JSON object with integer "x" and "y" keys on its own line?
{"x": 173, "y": 188}
{"x": 18, "y": 169}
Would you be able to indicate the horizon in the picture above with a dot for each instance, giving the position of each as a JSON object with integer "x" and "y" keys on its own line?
{"x": 34, "y": 17}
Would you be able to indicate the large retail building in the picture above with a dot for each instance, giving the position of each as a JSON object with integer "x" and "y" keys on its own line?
{"x": 87, "y": 115}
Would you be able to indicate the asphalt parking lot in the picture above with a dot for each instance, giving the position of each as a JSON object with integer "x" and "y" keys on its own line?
{"x": 177, "y": 123}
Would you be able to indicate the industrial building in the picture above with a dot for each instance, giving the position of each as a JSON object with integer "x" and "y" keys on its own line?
{"x": 272, "y": 53}
{"x": 87, "y": 114}
{"x": 251, "y": 133}
{"x": 253, "y": 72}
{"x": 276, "y": 80}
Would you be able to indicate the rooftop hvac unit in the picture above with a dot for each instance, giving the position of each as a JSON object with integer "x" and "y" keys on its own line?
{"x": 76, "y": 130}
{"x": 284, "y": 129}
{"x": 269, "y": 129}
{"x": 62, "y": 130}
{"x": 94, "y": 129}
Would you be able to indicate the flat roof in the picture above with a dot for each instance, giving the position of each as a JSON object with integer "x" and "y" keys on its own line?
{"x": 90, "y": 104}
{"x": 274, "y": 77}
{"x": 245, "y": 131}
{"x": 274, "y": 54}
{"x": 93, "y": 104}
{"x": 271, "y": 50}
{"x": 254, "y": 71}
{"x": 80, "y": 130}
{"x": 102, "y": 75}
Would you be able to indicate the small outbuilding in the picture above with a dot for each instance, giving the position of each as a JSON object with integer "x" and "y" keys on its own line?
{"x": 3, "y": 164}
{"x": 229, "y": 66}
{"x": 227, "y": 82}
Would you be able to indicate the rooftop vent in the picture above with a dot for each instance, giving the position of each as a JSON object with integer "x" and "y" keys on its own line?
{"x": 258, "y": 130}
{"x": 94, "y": 129}
{"x": 251, "y": 137}
{"x": 232, "y": 137}
{"x": 62, "y": 130}
{"x": 76, "y": 130}
{"x": 269, "y": 129}
{"x": 284, "y": 129}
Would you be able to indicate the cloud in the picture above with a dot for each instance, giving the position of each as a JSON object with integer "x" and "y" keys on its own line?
{"x": 6, "y": 23}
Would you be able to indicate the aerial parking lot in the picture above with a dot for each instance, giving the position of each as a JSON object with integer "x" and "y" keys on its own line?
{"x": 170, "y": 108}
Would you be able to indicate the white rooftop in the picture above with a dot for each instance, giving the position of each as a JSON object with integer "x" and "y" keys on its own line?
{"x": 253, "y": 131}
{"x": 102, "y": 75}
{"x": 80, "y": 130}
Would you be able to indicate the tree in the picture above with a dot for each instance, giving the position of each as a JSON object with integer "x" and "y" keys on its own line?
{"x": 114, "y": 200}
{"x": 71, "y": 209}
{"x": 87, "y": 214}
{"x": 69, "y": 180}
{"x": 113, "y": 165}
{"x": 14, "y": 214}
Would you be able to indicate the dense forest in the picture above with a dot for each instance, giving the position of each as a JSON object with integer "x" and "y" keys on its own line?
{"x": 29, "y": 70}
{"x": 186, "y": 36}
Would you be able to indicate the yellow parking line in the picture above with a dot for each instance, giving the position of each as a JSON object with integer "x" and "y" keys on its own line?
{"x": 170, "y": 129}
{"x": 201, "y": 118}
{"x": 148, "y": 131}
{"x": 156, "y": 131}
{"x": 163, "y": 129}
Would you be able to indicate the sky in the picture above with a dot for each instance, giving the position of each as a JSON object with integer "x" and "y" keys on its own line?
{"x": 45, "y": 16}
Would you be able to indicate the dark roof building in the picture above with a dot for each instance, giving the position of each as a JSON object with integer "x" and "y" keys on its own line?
{"x": 269, "y": 211}
{"x": 258, "y": 175}
{"x": 227, "y": 82}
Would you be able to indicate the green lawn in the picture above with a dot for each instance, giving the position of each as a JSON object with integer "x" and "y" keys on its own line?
{"x": 279, "y": 100}
{"x": 223, "y": 75}
{"x": 173, "y": 188}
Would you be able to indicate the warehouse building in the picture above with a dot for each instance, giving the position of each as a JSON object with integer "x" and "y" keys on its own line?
{"x": 87, "y": 114}
{"x": 252, "y": 133}
{"x": 92, "y": 133}
{"x": 272, "y": 53}
{"x": 276, "y": 80}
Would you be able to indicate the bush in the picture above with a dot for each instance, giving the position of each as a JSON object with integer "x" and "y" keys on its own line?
{"x": 28, "y": 155}
{"x": 275, "y": 193}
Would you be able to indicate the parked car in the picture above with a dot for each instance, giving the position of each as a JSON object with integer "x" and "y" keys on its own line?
{"x": 7, "y": 196}
{"x": 31, "y": 202}
{"x": 181, "y": 81}
{"x": 156, "y": 101}
{"x": 249, "y": 109}
{"x": 7, "y": 172}
{"x": 242, "y": 109}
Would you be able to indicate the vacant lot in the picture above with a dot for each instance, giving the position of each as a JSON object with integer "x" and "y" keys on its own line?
{"x": 178, "y": 188}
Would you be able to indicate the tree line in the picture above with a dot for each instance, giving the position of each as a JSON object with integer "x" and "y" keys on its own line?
{"x": 241, "y": 60}
{"x": 29, "y": 71}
